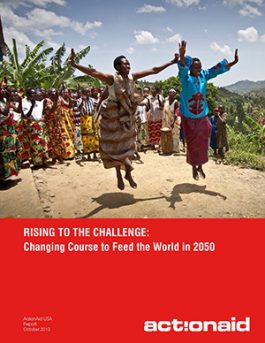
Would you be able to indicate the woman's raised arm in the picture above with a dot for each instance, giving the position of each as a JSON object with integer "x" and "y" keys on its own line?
{"x": 236, "y": 59}
{"x": 107, "y": 78}
{"x": 154, "y": 70}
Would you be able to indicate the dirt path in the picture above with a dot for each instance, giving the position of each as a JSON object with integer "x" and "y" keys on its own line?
{"x": 165, "y": 189}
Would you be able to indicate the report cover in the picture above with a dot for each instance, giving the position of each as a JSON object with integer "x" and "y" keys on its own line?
{"x": 153, "y": 249}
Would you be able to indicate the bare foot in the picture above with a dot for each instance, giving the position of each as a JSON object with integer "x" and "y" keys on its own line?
{"x": 120, "y": 184}
{"x": 195, "y": 173}
{"x": 129, "y": 178}
{"x": 201, "y": 172}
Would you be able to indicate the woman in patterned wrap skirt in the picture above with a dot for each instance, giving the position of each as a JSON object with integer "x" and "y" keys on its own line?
{"x": 9, "y": 143}
{"x": 117, "y": 134}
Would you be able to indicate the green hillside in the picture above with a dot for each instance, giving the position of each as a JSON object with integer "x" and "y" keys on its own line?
{"x": 246, "y": 86}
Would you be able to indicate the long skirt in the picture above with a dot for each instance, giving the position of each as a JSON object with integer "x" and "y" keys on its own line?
{"x": 67, "y": 132}
{"x": 78, "y": 139}
{"x": 9, "y": 147}
{"x": 61, "y": 133}
{"x": 89, "y": 134}
{"x": 23, "y": 137}
{"x": 154, "y": 131}
{"x": 53, "y": 132}
{"x": 197, "y": 132}
{"x": 40, "y": 147}
{"x": 117, "y": 136}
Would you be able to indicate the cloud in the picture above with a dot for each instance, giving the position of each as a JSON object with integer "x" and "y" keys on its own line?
{"x": 48, "y": 33}
{"x": 21, "y": 40}
{"x": 247, "y": 7}
{"x": 41, "y": 19}
{"x": 130, "y": 50}
{"x": 169, "y": 29}
{"x": 249, "y": 11}
{"x": 38, "y": 22}
{"x": 242, "y": 2}
{"x": 224, "y": 50}
{"x": 175, "y": 38}
{"x": 183, "y": 3}
{"x": 47, "y": 2}
{"x": 28, "y": 3}
{"x": 151, "y": 9}
{"x": 55, "y": 45}
{"x": 250, "y": 35}
{"x": 145, "y": 37}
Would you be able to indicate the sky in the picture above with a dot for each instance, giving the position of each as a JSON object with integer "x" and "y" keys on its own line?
{"x": 147, "y": 32}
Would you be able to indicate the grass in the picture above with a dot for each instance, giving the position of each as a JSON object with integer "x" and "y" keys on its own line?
{"x": 245, "y": 159}
{"x": 247, "y": 149}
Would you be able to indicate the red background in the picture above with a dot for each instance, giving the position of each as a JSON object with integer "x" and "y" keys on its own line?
{"x": 106, "y": 297}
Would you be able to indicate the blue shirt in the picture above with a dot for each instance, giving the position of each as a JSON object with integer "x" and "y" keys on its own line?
{"x": 193, "y": 102}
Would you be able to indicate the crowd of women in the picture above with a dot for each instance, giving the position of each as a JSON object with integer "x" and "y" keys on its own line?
{"x": 40, "y": 126}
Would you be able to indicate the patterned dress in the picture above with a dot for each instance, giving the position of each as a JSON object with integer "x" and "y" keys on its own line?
{"x": 61, "y": 130}
{"x": 117, "y": 130}
{"x": 22, "y": 123}
{"x": 155, "y": 120}
{"x": 77, "y": 120}
{"x": 67, "y": 128}
{"x": 89, "y": 132}
{"x": 9, "y": 147}
{"x": 51, "y": 127}
{"x": 40, "y": 147}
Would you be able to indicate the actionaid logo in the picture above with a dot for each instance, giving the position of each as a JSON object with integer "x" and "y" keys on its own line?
{"x": 176, "y": 325}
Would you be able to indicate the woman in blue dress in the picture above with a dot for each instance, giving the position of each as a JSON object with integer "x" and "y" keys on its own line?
{"x": 194, "y": 108}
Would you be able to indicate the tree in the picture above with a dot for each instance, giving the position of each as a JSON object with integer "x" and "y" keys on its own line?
{"x": 240, "y": 111}
{"x": 34, "y": 72}
{"x": 61, "y": 73}
{"x": 166, "y": 85}
{"x": 211, "y": 97}
{"x": 25, "y": 74}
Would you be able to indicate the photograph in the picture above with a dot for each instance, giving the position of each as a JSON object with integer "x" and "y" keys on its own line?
{"x": 132, "y": 170}
{"x": 137, "y": 89}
